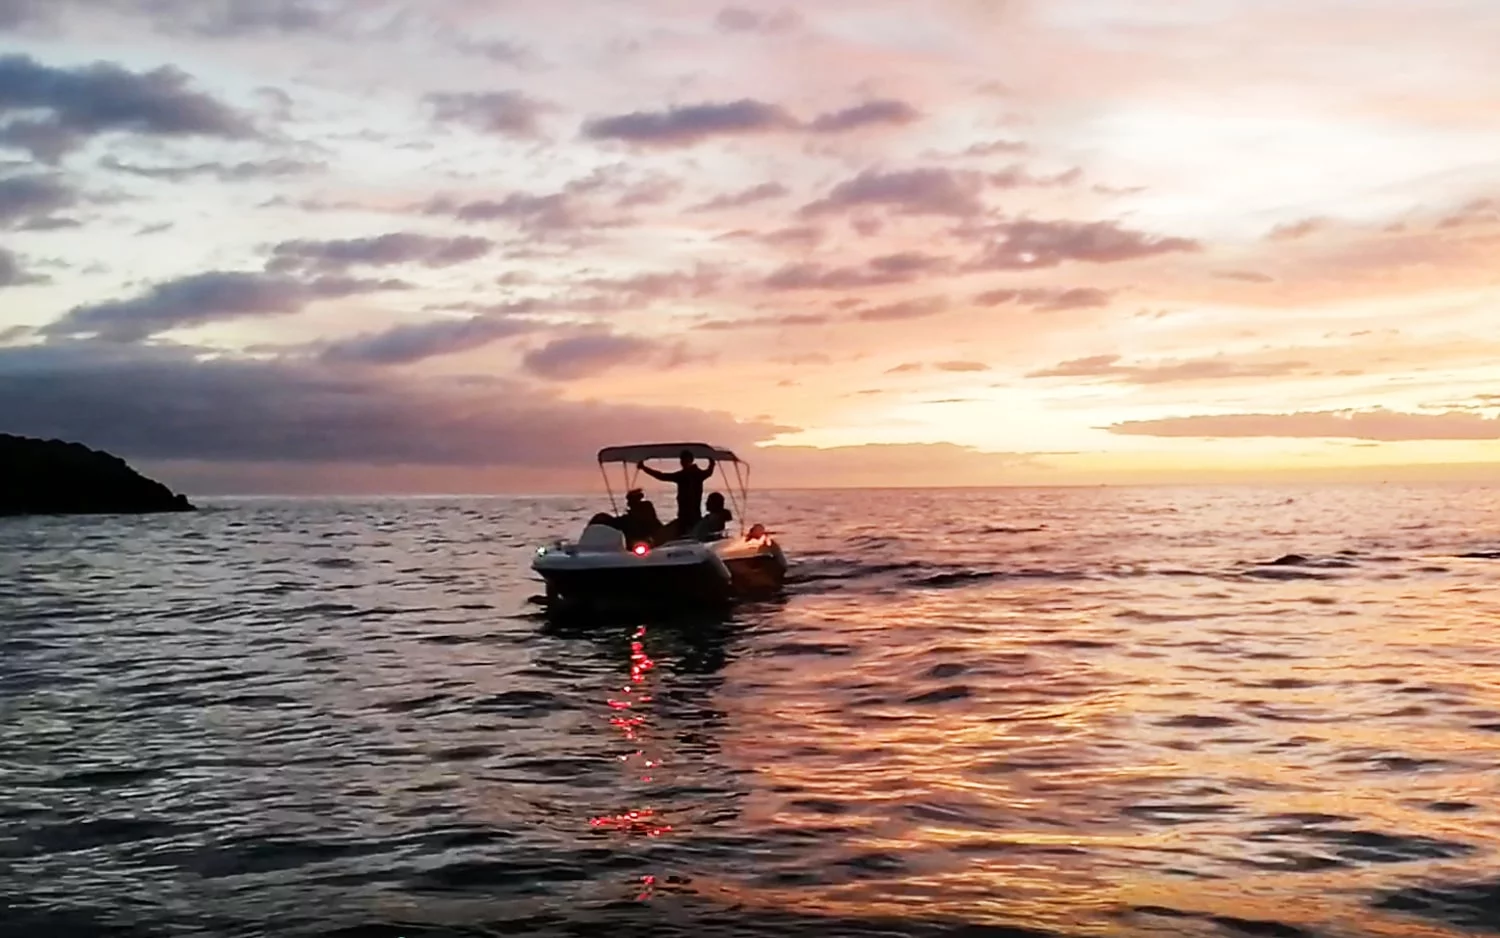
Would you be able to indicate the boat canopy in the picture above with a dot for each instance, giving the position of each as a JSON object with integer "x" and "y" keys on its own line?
{"x": 628, "y": 456}
{"x": 640, "y": 452}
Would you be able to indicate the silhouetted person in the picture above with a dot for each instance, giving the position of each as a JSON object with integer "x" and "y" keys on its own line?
{"x": 689, "y": 480}
{"x": 639, "y": 522}
{"x": 714, "y": 520}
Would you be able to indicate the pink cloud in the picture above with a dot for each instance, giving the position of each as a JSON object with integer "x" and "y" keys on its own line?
{"x": 1200, "y": 369}
{"x": 1292, "y": 231}
{"x": 887, "y": 111}
{"x": 587, "y": 354}
{"x": 758, "y": 193}
{"x": 887, "y": 269}
{"x": 1046, "y": 299}
{"x": 905, "y": 309}
{"x": 1030, "y": 245}
{"x": 931, "y": 191}
{"x": 1377, "y": 424}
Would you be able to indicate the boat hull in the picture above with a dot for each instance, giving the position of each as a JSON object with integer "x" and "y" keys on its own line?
{"x": 702, "y": 582}
{"x": 682, "y": 574}
{"x": 758, "y": 571}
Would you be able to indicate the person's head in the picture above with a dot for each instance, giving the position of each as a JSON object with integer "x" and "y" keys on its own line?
{"x": 715, "y": 501}
{"x": 634, "y": 497}
{"x": 686, "y": 456}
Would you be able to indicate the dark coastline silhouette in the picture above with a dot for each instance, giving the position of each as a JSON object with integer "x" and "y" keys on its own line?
{"x": 53, "y": 477}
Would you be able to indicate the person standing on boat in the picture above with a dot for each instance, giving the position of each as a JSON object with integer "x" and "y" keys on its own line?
{"x": 689, "y": 480}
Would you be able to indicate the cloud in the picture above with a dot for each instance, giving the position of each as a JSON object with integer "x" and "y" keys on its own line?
{"x": 759, "y": 193}
{"x": 222, "y": 19}
{"x": 961, "y": 366}
{"x": 199, "y": 299}
{"x": 415, "y": 342}
{"x": 584, "y": 355}
{"x": 1045, "y": 299}
{"x": 650, "y": 192}
{"x": 14, "y": 274}
{"x": 224, "y": 172}
{"x": 168, "y": 403}
{"x": 782, "y": 321}
{"x": 17, "y": 13}
{"x": 872, "y": 113}
{"x": 903, "y": 267}
{"x": 26, "y": 201}
{"x": 799, "y": 236}
{"x": 686, "y": 125}
{"x": 1474, "y": 212}
{"x": 1293, "y": 231}
{"x": 558, "y": 211}
{"x": 1090, "y": 367}
{"x": 1198, "y": 369}
{"x": 929, "y": 191}
{"x": 906, "y": 309}
{"x": 507, "y": 113}
{"x": 993, "y": 147}
{"x": 905, "y": 368}
{"x": 1029, "y": 245}
{"x": 689, "y": 124}
{"x": 498, "y": 50}
{"x": 216, "y": 19}
{"x": 1378, "y": 424}
{"x": 888, "y": 464}
{"x": 654, "y": 286}
{"x": 1018, "y": 177}
{"x": 396, "y": 248}
{"x": 1245, "y": 276}
{"x": 741, "y": 20}
{"x": 82, "y": 102}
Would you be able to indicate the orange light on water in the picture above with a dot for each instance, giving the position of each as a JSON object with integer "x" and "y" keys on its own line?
{"x": 633, "y": 822}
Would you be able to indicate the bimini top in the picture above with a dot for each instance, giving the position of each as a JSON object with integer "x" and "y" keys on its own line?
{"x": 639, "y": 452}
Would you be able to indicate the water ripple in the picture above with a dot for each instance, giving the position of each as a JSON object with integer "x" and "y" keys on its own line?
{"x": 1012, "y": 713}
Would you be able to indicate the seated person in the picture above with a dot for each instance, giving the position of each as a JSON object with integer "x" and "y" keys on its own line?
{"x": 711, "y": 525}
{"x": 639, "y": 523}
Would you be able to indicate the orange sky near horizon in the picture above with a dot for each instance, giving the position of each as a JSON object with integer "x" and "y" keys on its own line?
{"x": 325, "y": 245}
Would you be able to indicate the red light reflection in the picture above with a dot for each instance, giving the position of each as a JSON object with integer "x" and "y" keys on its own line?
{"x": 631, "y": 822}
{"x": 641, "y": 822}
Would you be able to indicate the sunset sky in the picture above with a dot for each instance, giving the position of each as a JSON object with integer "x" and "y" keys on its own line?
{"x": 459, "y": 245}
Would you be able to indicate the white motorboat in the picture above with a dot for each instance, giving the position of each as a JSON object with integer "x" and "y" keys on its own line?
{"x": 601, "y": 569}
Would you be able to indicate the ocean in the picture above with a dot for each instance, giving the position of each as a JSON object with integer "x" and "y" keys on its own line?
{"x": 1213, "y": 710}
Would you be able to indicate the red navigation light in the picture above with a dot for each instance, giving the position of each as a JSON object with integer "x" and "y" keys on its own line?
{"x": 641, "y": 550}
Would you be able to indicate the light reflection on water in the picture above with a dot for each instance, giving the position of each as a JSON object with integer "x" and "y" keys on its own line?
{"x": 1078, "y": 711}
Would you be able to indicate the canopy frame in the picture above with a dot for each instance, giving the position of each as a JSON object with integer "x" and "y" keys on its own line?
{"x": 639, "y": 452}
{"x": 629, "y": 458}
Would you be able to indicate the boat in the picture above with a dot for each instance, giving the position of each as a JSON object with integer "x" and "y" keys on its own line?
{"x": 600, "y": 569}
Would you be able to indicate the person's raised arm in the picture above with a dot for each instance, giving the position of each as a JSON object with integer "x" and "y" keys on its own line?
{"x": 652, "y": 472}
{"x": 712, "y": 463}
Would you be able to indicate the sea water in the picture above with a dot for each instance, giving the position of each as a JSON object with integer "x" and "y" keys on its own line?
{"x": 1212, "y": 710}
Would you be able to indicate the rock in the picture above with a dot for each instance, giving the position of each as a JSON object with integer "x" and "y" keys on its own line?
{"x": 51, "y": 477}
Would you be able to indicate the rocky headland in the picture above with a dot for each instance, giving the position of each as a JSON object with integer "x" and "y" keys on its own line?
{"x": 53, "y": 477}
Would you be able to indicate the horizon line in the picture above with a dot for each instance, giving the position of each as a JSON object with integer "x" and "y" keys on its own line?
{"x": 1212, "y": 483}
